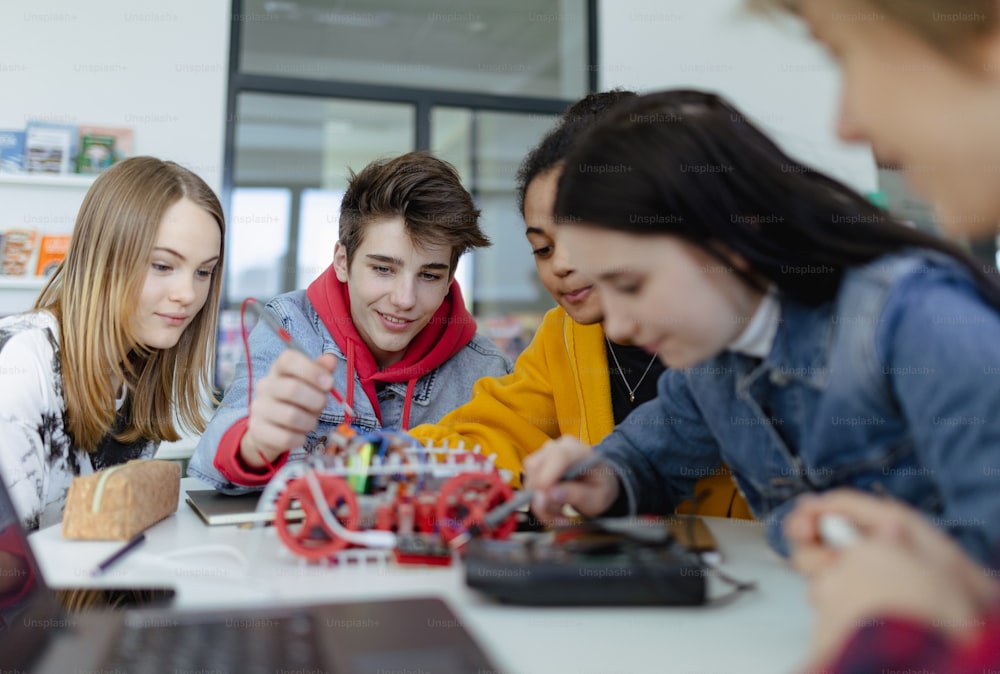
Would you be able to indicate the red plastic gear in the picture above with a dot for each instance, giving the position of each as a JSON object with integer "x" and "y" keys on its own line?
{"x": 464, "y": 500}
{"x": 311, "y": 538}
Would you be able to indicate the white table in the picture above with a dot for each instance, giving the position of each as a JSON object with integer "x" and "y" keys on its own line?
{"x": 765, "y": 631}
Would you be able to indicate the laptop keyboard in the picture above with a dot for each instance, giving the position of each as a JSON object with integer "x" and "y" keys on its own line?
{"x": 238, "y": 644}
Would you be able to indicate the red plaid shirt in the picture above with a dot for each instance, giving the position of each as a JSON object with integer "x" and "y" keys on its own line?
{"x": 908, "y": 647}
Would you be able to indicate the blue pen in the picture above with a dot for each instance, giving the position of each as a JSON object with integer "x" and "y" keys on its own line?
{"x": 124, "y": 550}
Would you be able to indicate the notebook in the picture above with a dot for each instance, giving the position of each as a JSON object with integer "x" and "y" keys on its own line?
{"x": 215, "y": 508}
{"x": 399, "y": 635}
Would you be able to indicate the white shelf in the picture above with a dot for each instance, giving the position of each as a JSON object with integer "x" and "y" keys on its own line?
{"x": 47, "y": 203}
{"x": 18, "y": 293}
{"x": 47, "y": 180}
{"x": 22, "y": 282}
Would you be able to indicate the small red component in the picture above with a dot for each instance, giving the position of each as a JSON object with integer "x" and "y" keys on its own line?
{"x": 422, "y": 549}
{"x": 464, "y": 501}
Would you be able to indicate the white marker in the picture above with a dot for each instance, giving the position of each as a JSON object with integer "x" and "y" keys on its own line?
{"x": 837, "y": 531}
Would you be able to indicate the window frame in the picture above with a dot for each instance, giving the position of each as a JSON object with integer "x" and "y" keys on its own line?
{"x": 424, "y": 100}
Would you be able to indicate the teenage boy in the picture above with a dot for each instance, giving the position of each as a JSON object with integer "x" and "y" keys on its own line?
{"x": 385, "y": 325}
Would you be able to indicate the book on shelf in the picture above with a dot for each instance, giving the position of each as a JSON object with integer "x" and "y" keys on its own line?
{"x": 11, "y": 151}
{"x": 102, "y": 146}
{"x": 51, "y": 252}
{"x": 49, "y": 148}
{"x": 18, "y": 251}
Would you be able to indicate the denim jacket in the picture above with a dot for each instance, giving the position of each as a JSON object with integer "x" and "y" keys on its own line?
{"x": 891, "y": 387}
{"x": 435, "y": 394}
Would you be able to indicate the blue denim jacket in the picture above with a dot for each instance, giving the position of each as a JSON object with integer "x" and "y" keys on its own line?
{"x": 435, "y": 394}
{"x": 892, "y": 387}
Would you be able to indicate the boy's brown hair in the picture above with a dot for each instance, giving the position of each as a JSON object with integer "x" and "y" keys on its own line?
{"x": 425, "y": 191}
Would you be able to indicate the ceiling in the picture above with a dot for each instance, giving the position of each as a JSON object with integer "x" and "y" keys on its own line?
{"x": 514, "y": 47}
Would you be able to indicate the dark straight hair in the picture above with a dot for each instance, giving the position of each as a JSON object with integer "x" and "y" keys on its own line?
{"x": 689, "y": 164}
{"x": 556, "y": 144}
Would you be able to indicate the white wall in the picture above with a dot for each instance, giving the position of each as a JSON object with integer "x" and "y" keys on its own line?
{"x": 159, "y": 67}
{"x": 767, "y": 66}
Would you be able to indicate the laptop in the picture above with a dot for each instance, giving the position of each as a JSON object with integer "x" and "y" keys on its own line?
{"x": 399, "y": 635}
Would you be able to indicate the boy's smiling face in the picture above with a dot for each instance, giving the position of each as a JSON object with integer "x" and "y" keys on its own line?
{"x": 395, "y": 287}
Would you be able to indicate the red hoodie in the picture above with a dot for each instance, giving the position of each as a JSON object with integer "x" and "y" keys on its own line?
{"x": 448, "y": 331}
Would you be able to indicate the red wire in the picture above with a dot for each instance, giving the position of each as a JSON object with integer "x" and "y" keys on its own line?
{"x": 246, "y": 347}
{"x": 348, "y": 417}
{"x": 246, "y": 350}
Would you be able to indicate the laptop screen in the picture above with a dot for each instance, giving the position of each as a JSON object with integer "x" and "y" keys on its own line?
{"x": 28, "y": 609}
{"x": 407, "y": 634}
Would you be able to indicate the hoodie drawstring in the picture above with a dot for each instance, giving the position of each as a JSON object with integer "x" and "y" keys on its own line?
{"x": 407, "y": 402}
{"x": 405, "y": 425}
{"x": 350, "y": 381}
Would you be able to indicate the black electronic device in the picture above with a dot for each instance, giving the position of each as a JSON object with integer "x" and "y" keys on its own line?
{"x": 597, "y": 563}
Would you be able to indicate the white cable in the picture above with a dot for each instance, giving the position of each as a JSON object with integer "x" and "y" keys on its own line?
{"x": 240, "y": 575}
{"x": 370, "y": 539}
{"x": 230, "y": 551}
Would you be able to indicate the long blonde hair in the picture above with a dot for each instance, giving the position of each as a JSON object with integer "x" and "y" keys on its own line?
{"x": 98, "y": 285}
{"x": 929, "y": 19}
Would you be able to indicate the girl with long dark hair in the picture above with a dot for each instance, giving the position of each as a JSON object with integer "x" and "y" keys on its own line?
{"x": 814, "y": 342}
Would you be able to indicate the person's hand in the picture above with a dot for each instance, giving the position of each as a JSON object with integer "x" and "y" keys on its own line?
{"x": 591, "y": 494}
{"x": 885, "y": 519}
{"x": 286, "y": 406}
{"x": 879, "y": 578}
{"x": 904, "y": 566}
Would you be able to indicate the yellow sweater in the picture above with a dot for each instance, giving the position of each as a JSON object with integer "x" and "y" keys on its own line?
{"x": 560, "y": 386}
